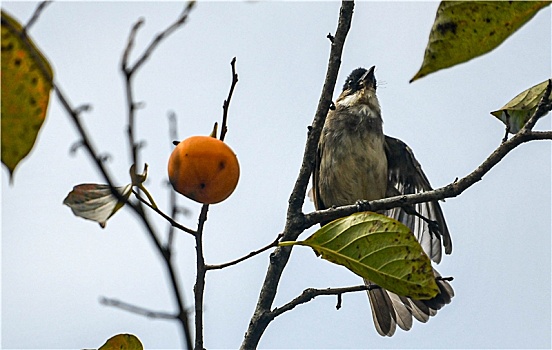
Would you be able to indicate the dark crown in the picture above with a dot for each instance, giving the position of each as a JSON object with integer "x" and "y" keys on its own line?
{"x": 353, "y": 80}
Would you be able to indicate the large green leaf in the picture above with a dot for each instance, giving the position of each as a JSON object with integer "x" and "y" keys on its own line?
{"x": 379, "y": 249}
{"x": 25, "y": 92}
{"x": 466, "y": 29}
{"x": 518, "y": 110}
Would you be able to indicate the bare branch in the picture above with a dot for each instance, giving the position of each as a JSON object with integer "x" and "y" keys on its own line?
{"x": 128, "y": 71}
{"x": 37, "y": 12}
{"x": 226, "y": 103}
{"x": 136, "y": 309}
{"x": 250, "y": 255}
{"x": 173, "y": 135}
{"x": 199, "y": 287}
{"x": 311, "y": 293}
{"x": 130, "y": 44}
{"x": 294, "y": 222}
{"x": 156, "y": 41}
{"x": 297, "y": 197}
{"x": 451, "y": 190}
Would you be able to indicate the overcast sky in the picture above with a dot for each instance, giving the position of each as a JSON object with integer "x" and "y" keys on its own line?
{"x": 56, "y": 266}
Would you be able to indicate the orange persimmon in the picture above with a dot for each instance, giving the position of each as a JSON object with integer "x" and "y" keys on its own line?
{"x": 204, "y": 169}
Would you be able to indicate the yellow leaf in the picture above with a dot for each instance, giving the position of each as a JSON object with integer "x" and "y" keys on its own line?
{"x": 122, "y": 342}
{"x": 25, "y": 92}
{"x": 466, "y": 29}
{"x": 518, "y": 111}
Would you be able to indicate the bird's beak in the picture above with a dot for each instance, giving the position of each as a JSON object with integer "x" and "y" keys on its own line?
{"x": 369, "y": 78}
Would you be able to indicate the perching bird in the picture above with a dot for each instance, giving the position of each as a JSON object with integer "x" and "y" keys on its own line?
{"x": 356, "y": 161}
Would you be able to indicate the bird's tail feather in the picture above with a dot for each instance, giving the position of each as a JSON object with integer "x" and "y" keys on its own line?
{"x": 390, "y": 309}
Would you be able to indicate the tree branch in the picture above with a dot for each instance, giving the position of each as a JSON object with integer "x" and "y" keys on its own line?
{"x": 165, "y": 216}
{"x": 156, "y": 41}
{"x": 137, "y": 309}
{"x": 173, "y": 135}
{"x": 226, "y": 102}
{"x": 455, "y": 188}
{"x": 86, "y": 142}
{"x": 294, "y": 221}
{"x": 37, "y": 12}
{"x": 311, "y": 293}
{"x": 451, "y": 190}
{"x": 250, "y": 255}
{"x": 128, "y": 71}
{"x": 199, "y": 287}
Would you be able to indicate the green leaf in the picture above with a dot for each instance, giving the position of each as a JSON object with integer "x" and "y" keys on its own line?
{"x": 466, "y": 29}
{"x": 517, "y": 112}
{"x": 25, "y": 92}
{"x": 122, "y": 342}
{"x": 95, "y": 202}
{"x": 379, "y": 249}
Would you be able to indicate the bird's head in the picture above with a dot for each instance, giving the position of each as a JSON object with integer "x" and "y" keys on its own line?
{"x": 359, "y": 90}
{"x": 359, "y": 79}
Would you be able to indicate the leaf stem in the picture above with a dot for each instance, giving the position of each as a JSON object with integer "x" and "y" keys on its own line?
{"x": 150, "y": 197}
{"x": 288, "y": 243}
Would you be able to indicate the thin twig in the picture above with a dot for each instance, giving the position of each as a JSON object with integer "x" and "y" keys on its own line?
{"x": 131, "y": 105}
{"x": 311, "y": 293}
{"x": 130, "y": 44}
{"x": 226, "y": 104}
{"x": 156, "y": 41}
{"x": 250, "y": 255}
{"x": 173, "y": 135}
{"x": 129, "y": 70}
{"x": 137, "y": 309}
{"x": 507, "y": 129}
{"x": 165, "y": 216}
{"x": 37, "y": 12}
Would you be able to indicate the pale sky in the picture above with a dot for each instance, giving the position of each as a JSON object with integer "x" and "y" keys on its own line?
{"x": 55, "y": 266}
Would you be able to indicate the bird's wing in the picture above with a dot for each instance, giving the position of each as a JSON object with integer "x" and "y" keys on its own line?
{"x": 319, "y": 205}
{"x": 405, "y": 176}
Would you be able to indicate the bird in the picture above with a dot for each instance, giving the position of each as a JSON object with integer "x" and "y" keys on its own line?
{"x": 356, "y": 161}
